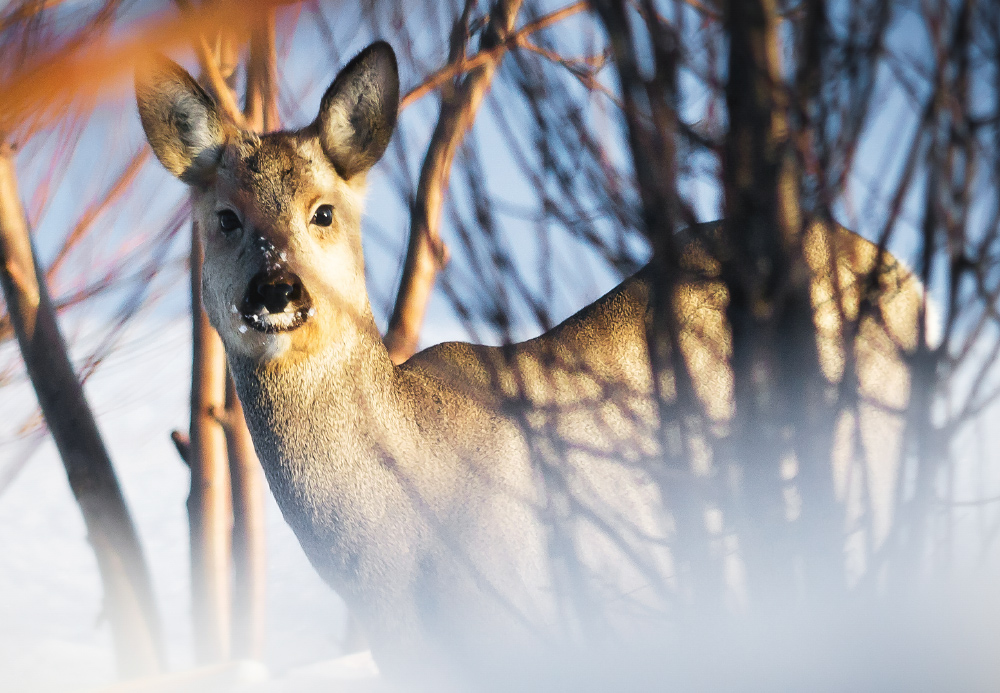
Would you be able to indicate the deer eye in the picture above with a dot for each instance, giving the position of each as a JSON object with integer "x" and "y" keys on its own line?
{"x": 228, "y": 221}
{"x": 323, "y": 215}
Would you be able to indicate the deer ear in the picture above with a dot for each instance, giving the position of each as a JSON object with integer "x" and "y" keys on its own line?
{"x": 181, "y": 122}
{"x": 358, "y": 111}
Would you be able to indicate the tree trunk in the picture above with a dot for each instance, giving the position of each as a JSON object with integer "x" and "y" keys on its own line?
{"x": 128, "y": 594}
{"x": 249, "y": 559}
{"x": 776, "y": 371}
{"x": 209, "y": 503}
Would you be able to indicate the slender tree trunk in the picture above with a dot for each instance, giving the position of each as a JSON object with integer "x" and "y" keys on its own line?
{"x": 249, "y": 559}
{"x": 775, "y": 358}
{"x": 128, "y": 595}
{"x": 225, "y": 506}
{"x": 209, "y": 503}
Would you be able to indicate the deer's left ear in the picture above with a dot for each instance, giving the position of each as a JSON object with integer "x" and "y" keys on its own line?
{"x": 358, "y": 111}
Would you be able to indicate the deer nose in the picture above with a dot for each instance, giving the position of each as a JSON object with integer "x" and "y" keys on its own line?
{"x": 274, "y": 291}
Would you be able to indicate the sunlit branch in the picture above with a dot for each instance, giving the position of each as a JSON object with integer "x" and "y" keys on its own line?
{"x": 426, "y": 253}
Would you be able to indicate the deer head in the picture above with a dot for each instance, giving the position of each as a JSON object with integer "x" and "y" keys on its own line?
{"x": 278, "y": 214}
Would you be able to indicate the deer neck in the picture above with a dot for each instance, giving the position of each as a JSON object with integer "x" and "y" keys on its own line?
{"x": 324, "y": 427}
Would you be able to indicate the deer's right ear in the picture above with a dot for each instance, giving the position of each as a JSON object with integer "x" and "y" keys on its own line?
{"x": 181, "y": 121}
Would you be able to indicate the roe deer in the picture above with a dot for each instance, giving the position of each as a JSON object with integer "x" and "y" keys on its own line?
{"x": 473, "y": 498}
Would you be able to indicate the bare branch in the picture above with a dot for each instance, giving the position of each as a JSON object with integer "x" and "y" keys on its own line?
{"x": 211, "y": 73}
{"x": 261, "y": 105}
{"x": 183, "y": 445}
{"x": 492, "y": 54}
{"x": 94, "y": 211}
{"x": 209, "y": 503}
{"x": 426, "y": 253}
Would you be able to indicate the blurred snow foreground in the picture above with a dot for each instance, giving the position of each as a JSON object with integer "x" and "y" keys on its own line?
{"x": 354, "y": 672}
{"x": 936, "y": 647}
{"x": 932, "y": 649}
{"x": 52, "y": 637}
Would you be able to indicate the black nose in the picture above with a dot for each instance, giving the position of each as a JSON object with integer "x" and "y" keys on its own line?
{"x": 274, "y": 291}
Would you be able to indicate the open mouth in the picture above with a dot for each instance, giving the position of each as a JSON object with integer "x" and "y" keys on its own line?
{"x": 275, "y": 301}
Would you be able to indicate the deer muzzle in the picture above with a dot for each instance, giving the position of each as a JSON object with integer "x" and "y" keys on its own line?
{"x": 275, "y": 301}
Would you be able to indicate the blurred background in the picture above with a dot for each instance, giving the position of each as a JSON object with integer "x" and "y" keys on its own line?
{"x": 545, "y": 150}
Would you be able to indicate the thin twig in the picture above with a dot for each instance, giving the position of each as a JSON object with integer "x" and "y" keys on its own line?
{"x": 212, "y": 75}
{"x": 451, "y": 71}
{"x": 92, "y": 213}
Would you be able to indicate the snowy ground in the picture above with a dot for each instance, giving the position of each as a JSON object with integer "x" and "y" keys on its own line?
{"x": 52, "y": 636}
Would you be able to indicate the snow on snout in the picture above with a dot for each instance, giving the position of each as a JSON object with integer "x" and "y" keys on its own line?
{"x": 261, "y": 315}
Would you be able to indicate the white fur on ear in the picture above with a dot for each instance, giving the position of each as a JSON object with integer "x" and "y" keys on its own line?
{"x": 358, "y": 111}
{"x": 181, "y": 121}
